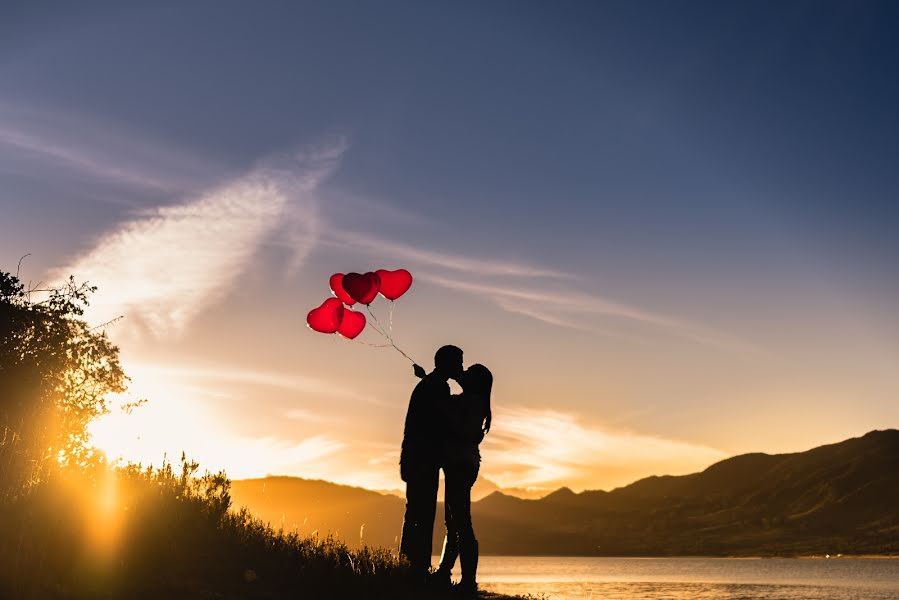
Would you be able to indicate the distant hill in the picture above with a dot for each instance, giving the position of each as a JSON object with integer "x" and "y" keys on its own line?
{"x": 838, "y": 498}
{"x": 354, "y": 514}
{"x": 483, "y": 488}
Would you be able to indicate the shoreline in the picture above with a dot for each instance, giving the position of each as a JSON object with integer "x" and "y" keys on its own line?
{"x": 702, "y": 556}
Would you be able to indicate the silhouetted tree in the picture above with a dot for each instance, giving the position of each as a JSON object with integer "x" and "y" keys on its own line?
{"x": 56, "y": 372}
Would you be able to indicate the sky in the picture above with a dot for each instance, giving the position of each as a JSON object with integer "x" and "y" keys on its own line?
{"x": 671, "y": 230}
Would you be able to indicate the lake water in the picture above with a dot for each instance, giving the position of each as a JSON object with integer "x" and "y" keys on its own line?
{"x": 579, "y": 578}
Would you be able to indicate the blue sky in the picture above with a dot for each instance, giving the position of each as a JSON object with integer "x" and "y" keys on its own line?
{"x": 656, "y": 221}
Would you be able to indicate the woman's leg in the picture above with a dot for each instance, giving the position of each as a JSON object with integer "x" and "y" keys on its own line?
{"x": 468, "y": 543}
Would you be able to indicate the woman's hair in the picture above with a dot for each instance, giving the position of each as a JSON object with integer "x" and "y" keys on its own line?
{"x": 479, "y": 380}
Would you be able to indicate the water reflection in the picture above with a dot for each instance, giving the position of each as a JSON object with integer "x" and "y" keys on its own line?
{"x": 686, "y": 591}
{"x": 580, "y": 578}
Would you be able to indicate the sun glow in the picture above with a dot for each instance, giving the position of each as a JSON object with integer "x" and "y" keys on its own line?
{"x": 100, "y": 504}
{"x": 168, "y": 423}
{"x": 180, "y": 416}
{"x": 103, "y": 513}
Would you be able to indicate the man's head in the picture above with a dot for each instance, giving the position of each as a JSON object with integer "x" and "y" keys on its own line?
{"x": 448, "y": 362}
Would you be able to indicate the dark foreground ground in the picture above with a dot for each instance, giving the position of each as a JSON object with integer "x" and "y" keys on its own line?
{"x": 105, "y": 534}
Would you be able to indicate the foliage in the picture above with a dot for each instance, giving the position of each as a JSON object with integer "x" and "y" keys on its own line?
{"x": 55, "y": 375}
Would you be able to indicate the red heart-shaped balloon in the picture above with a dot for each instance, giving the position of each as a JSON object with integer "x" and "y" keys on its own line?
{"x": 362, "y": 288}
{"x": 336, "y": 283}
{"x": 394, "y": 283}
{"x": 352, "y": 325}
{"x": 327, "y": 317}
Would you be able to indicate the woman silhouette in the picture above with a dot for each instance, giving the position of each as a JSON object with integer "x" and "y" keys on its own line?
{"x": 468, "y": 418}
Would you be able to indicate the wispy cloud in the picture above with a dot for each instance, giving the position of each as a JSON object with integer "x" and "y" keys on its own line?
{"x": 564, "y": 305}
{"x": 416, "y": 255}
{"x": 162, "y": 268}
{"x": 245, "y": 456}
{"x": 535, "y": 302}
{"x": 48, "y": 142}
{"x": 185, "y": 413}
{"x": 81, "y": 161}
{"x": 346, "y": 206}
{"x": 549, "y": 295}
{"x": 174, "y": 429}
{"x": 231, "y": 375}
{"x": 305, "y": 415}
{"x": 544, "y": 448}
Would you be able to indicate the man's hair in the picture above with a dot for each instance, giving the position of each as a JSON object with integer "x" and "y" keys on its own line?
{"x": 447, "y": 355}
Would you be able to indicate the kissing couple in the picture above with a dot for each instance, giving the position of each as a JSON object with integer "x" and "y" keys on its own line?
{"x": 443, "y": 431}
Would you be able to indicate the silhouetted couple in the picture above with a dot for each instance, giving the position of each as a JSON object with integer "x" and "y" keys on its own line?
{"x": 443, "y": 431}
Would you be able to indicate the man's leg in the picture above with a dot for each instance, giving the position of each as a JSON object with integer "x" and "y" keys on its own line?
{"x": 418, "y": 523}
{"x": 407, "y": 541}
{"x": 411, "y": 520}
{"x": 430, "y": 483}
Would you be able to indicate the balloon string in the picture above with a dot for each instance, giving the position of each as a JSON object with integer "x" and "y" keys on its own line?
{"x": 397, "y": 348}
{"x": 390, "y": 324}
{"x": 390, "y": 345}
{"x": 365, "y": 343}
{"x": 380, "y": 327}
{"x": 376, "y": 324}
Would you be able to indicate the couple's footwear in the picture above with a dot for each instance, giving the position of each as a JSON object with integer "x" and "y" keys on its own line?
{"x": 441, "y": 580}
{"x": 466, "y": 589}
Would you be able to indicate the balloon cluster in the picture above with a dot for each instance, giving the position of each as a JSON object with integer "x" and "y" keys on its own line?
{"x": 335, "y": 316}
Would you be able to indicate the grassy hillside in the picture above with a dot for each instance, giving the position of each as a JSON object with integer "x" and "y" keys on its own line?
{"x": 355, "y": 515}
{"x": 161, "y": 533}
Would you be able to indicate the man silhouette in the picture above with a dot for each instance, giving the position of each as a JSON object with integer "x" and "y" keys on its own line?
{"x": 420, "y": 457}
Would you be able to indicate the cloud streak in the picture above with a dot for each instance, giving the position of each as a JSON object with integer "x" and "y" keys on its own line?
{"x": 244, "y": 456}
{"x": 39, "y": 140}
{"x": 185, "y": 414}
{"x": 161, "y": 268}
{"x": 229, "y": 376}
{"x": 564, "y": 306}
{"x": 546, "y": 448}
{"x": 127, "y": 438}
{"x": 417, "y": 255}
{"x": 164, "y": 267}
{"x": 80, "y": 161}
{"x": 548, "y": 295}
{"x": 528, "y": 300}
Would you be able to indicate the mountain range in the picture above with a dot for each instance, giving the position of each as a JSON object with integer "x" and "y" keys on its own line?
{"x": 837, "y": 498}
